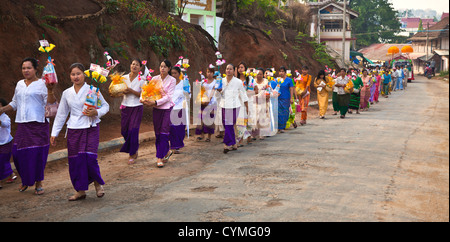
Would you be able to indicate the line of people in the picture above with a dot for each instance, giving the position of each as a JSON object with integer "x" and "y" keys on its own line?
{"x": 249, "y": 103}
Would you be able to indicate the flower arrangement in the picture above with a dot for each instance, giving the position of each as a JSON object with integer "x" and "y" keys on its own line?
{"x": 111, "y": 63}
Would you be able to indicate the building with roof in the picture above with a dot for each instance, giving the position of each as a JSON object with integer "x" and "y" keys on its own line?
{"x": 432, "y": 44}
{"x": 327, "y": 25}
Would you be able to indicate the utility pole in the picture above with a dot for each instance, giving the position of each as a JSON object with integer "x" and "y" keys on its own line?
{"x": 343, "y": 32}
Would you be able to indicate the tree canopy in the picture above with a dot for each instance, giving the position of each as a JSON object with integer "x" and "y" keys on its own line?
{"x": 377, "y": 23}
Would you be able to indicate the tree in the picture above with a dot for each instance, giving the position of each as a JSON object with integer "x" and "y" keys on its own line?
{"x": 420, "y": 25}
{"x": 377, "y": 22}
{"x": 181, "y": 8}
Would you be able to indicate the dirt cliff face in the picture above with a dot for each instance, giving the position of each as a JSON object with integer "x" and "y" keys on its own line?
{"x": 82, "y": 30}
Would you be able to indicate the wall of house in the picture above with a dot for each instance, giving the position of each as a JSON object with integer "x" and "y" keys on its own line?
{"x": 203, "y": 13}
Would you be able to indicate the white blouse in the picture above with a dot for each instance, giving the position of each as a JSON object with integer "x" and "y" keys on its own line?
{"x": 131, "y": 100}
{"x": 209, "y": 89}
{"x": 5, "y": 129}
{"x": 73, "y": 103}
{"x": 29, "y": 101}
{"x": 340, "y": 80}
{"x": 232, "y": 94}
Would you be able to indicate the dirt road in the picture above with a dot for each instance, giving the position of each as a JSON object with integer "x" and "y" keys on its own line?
{"x": 387, "y": 164}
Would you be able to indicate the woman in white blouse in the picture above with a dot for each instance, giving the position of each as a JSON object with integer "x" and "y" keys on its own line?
{"x": 178, "y": 114}
{"x": 5, "y": 145}
{"x": 132, "y": 110}
{"x": 31, "y": 142}
{"x": 82, "y": 133}
{"x": 232, "y": 93}
{"x": 343, "y": 98}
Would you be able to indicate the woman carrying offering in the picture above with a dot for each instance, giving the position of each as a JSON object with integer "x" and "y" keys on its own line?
{"x": 161, "y": 113}
{"x": 207, "y": 108}
{"x": 31, "y": 142}
{"x": 355, "y": 96}
{"x": 83, "y": 133}
{"x": 261, "y": 100}
{"x": 243, "y": 127}
{"x": 132, "y": 111}
{"x": 343, "y": 98}
{"x": 178, "y": 114}
{"x": 232, "y": 95}
{"x": 322, "y": 94}
{"x": 285, "y": 87}
{"x": 305, "y": 86}
{"x": 5, "y": 146}
{"x": 365, "y": 90}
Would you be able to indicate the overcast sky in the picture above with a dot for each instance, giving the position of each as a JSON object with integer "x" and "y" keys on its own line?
{"x": 438, "y": 5}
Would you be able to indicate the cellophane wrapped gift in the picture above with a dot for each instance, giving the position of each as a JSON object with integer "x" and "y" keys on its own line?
{"x": 330, "y": 85}
{"x": 202, "y": 98}
{"x": 49, "y": 73}
{"x": 117, "y": 86}
{"x": 152, "y": 90}
{"x": 92, "y": 100}
{"x": 349, "y": 87}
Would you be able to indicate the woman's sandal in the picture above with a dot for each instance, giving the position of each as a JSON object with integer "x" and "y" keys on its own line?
{"x": 100, "y": 192}
{"x": 39, "y": 191}
{"x": 159, "y": 164}
{"x": 207, "y": 140}
{"x": 23, "y": 188}
{"x": 166, "y": 158}
{"x": 11, "y": 179}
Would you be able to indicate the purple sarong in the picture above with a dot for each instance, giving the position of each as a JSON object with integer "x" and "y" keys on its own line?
{"x": 229, "y": 117}
{"x": 161, "y": 125}
{"x": 30, "y": 151}
{"x": 82, "y": 147}
{"x": 130, "y": 124}
{"x": 5, "y": 157}
{"x": 203, "y": 128}
{"x": 177, "y": 132}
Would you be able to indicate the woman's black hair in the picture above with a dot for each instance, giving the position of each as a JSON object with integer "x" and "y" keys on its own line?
{"x": 77, "y": 65}
{"x": 33, "y": 61}
{"x": 3, "y": 102}
{"x": 343, "y": 69}
{"x": 261, "y": 69}
{"x": 168, "y": 63}
{"x": 321, "y": 72}
{"x": 239, "y": 74}
{"x": 305, "y": 68}
{"x": 175, "y": 68}
{"x": 138, "y": 60}
{"x": 283, "y": 68}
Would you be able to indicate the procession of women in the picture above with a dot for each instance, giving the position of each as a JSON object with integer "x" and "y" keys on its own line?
{"x": 236, "y": 104}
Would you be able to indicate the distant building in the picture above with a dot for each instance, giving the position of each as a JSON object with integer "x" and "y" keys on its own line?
{"x": 327, "y": 25}
{"x": 432, "y": 44}
{"x": 203, "y": 13}
{"x": 410, "y": 26}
